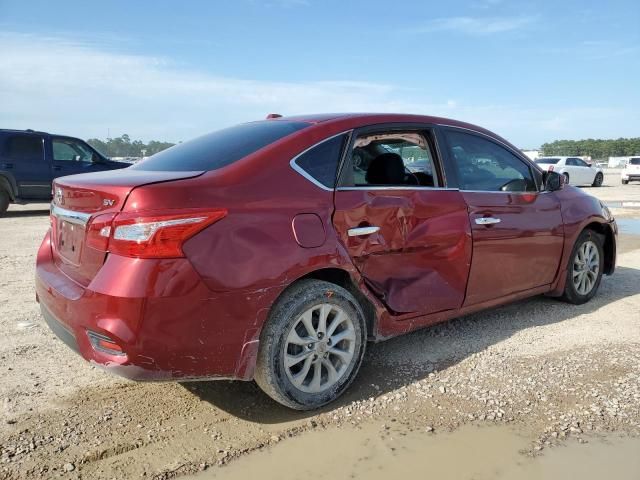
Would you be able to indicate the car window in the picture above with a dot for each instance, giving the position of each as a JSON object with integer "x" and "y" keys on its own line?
{"x": 69, "y": 150}
{"x": 581, "y": 163}
{"x": 223, "y": 147}
{"x": 551, "y": 161}
{"x": 391, "y": 159}
{"x": 486, "y": 166}
{"x": 634, "y": 161}
{"x": 23, "y": 148}
{"x": 321, "y": 161}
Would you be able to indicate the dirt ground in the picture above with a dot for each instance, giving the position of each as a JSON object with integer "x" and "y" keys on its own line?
{"x": 549, "y": 370}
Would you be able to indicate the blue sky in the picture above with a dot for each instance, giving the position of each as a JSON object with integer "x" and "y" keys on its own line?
{"x": 172, "y": 70}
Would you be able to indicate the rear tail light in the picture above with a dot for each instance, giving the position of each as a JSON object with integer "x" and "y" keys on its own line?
{"x": 149, "y": 234}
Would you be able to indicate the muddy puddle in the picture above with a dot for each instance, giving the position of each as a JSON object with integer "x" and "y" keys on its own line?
{"x": 374, "y": 452}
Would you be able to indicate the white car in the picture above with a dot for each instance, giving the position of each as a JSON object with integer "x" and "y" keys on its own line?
{"x": 575, "y": 170}
{"x": 631, "y": 171}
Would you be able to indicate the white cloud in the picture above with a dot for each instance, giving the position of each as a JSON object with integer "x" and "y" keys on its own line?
{"x": 80, "y": 89}
{"x": 475, "y": 25}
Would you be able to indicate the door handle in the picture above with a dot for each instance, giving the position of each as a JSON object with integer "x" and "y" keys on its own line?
{"x": 6, "y": 165}
{"x": 359, "y": 231}
{"x": 487, "y": 220}
{"x": 57, "y": 168}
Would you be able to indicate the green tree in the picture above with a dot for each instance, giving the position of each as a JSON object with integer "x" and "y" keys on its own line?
{"x": 122, "y": 146}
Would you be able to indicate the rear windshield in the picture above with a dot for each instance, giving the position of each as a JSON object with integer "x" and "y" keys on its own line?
{"x": 634, "y": 161}
{"x": 221, "y": 148}
{"x": 552, "y": 161}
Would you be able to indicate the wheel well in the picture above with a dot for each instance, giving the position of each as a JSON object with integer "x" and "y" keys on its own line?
{"x": 608, "y": 244}
{"x": 342, "y": 278}
{"x": 6, "y": 186}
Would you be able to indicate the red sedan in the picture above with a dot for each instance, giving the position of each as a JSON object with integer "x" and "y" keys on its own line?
{"x": 275, "y": 250}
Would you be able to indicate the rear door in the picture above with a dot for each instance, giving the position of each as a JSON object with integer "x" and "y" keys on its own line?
{"x": 406, "y": 233}
{"x": 587, "y": 174}
{"x": 517, "y": 229}
{"x": 22, "y": 156}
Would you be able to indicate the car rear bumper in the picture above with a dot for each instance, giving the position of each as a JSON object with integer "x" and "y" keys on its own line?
{"x": 169, "y": 325}
{"x": 630, "y": 176}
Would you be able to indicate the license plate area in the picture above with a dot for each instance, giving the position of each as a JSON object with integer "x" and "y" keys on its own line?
{"x": 70, "y": 240}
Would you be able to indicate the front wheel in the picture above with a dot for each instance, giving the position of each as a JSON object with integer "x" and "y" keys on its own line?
{"x": 311, "y": 346}
{"x": 584, "y": 271}
{"x": 625, "y": 182}
{"x": 566, "y": 178}
{"x": 597, "y": 182}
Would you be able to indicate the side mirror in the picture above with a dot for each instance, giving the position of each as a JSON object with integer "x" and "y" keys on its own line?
{"x": 553, "y": 181}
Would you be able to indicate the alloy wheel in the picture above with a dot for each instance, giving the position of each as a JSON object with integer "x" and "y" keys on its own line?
{"x": 319, "y": 348}
{"x": 586, "y": 266}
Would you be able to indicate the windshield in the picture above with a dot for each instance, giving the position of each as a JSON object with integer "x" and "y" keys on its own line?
{"x": 221, "y": 148}
{"x": 548, "y": 160}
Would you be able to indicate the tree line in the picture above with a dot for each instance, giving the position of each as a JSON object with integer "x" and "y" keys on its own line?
{"x": 596, "y": 149}
{"x": 123, "y": 146}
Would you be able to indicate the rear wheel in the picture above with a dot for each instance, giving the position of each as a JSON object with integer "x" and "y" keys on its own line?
{"x": 584, "y": 271}
{"x": 312, "y": 345}
{"x": 597, "y": 182}
{"x": 625, "y": 182}
{"x": 4, "y": 201}
{"x": 566, "y": 177}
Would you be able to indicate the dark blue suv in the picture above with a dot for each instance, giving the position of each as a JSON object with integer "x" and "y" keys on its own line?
{"x": 29, "y": 161}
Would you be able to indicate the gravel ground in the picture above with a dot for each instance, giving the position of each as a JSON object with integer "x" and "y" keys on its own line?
{"x": 549, "y": 369}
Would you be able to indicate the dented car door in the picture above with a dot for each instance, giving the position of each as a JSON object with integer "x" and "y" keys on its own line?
{"x": 412, "y": 246}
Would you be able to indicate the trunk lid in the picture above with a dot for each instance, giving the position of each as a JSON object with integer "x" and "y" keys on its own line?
{"x": 79, "y": 199}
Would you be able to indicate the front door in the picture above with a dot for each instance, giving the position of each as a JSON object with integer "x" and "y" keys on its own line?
{"x": 71, "y": 156}
{"x": 518, "y": 233}
{"x": 407, "y": 235}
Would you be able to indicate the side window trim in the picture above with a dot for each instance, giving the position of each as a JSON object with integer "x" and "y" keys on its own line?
{"x": 527, "y": 163}
{"x": 390, "y": 127}
{"x": 293, "y": 163}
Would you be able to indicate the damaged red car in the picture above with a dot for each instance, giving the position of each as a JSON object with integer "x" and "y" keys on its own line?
{"x": 275, "y": 250}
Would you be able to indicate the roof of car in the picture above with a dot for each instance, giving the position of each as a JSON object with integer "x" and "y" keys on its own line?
{"x": 15, "y": 130}
{"x": 373, "y": 116}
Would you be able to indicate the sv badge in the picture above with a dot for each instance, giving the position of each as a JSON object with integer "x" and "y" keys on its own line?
{"x": 108, "y": 202}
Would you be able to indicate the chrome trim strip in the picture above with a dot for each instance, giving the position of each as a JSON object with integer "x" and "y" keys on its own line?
{"x": 537, "y": 192}
{"x": 35, "y": 185}
{"x": 77, "y": 218}
{"x": 397, "y": 187}
{"x": 302, "y": 172}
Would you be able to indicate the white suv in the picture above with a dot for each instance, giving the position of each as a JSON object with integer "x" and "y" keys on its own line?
{"x": 631, "y": 171}
{"x": 574, "y": 169}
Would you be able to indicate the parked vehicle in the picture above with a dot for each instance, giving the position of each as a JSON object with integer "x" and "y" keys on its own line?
{"x": 631, "y": 171}
{"x": 29, "y": 161}
{"x": 574, "y": 169}
{"x": 274, "y": 250}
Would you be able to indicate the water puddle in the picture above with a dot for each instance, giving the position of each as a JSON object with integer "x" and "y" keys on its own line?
{"x": 623, "y": 204}
{"x": 469, "y": 453}
{"x": 629, "y": 225}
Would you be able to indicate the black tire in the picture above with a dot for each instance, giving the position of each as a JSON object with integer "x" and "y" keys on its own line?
{"x": 571, "y": 293}
{"x": 271, "y": 374}
{"x": 625, "y": 182}
{"x": 4, "y": 201}
{"x": 597, "y": 182}
{"x": 566, "y": 178}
